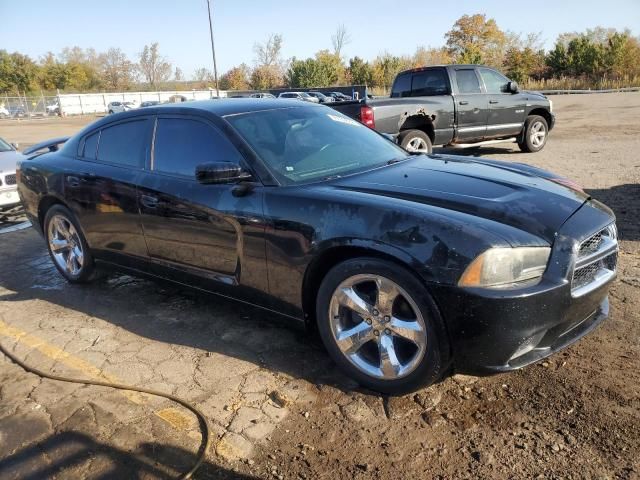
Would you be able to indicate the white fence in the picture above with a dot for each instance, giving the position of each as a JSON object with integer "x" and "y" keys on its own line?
{"x": 88, "y": 103}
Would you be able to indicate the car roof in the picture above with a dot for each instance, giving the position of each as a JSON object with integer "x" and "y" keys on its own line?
{"x": 219, "y": 107}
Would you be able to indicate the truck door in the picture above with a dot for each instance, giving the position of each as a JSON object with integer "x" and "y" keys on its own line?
{"x": 471, "y": 105}
{"x": 506, "y": 109}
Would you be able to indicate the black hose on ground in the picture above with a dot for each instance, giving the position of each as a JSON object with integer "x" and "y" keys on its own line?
{"x": 204, "y": 426}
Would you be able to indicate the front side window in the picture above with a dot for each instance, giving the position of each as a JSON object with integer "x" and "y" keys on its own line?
{"x": 429, "y": 82}
{"x": 467, "y": 81}
{"x": 402, "y": 86}
{"x": 182, "y": 144}
{"x": 306, "y": 144}
{"x": 125, "y": 143}
{"x": 494, "y": 82}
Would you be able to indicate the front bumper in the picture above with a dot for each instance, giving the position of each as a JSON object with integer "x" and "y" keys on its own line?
{"x": 493, "y": 331}
{"x": 9, "y": 198}
{"x": 552, "y": 123}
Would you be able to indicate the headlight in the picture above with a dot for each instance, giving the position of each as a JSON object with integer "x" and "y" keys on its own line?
{"x": 506, "y": 268}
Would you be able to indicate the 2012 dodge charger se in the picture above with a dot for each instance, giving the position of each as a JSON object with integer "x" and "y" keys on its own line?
{"x": 410, "y": 266}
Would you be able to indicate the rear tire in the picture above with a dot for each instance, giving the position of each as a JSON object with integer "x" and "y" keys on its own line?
{"x": 415, "y": 141}
{"x": 67, "y": 246}
{"x": 534, "y": 137}
{"x": 380, "y": 325}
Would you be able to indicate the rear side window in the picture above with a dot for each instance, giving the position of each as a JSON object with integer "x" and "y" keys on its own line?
{"x": 402, "y": 86}
{"x": 429, "y": 82}
{"x": 91, "y": 146}
{"x": 182, "y": 144}
{"x": 467, "y": 81}
{"x": 125, "y": 143}
{"x": 493, "y": 81}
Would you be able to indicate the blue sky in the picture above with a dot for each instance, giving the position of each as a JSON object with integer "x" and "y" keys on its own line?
{"x": 37, "y": 26}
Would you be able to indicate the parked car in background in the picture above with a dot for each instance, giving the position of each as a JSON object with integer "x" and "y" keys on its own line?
{"x": 17, "y": 111}
{"x": 262, "y": 95}
{"x": 4, "y": 112}
{"x": 411, "y": 266}
{"x": 53, "y": 108}
{"x": 149, "y": 103}
{"x": 299, "y": 96}
{"x": 457, "y": 105}
{"x": 117, "y": 107}
{"x": 339, "y": 96}
{"x": 321, "y": 97}
{"x": 9, "y": 157}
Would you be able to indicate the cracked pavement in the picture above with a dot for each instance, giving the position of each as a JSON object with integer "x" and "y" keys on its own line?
{"x": 242, "y": 370}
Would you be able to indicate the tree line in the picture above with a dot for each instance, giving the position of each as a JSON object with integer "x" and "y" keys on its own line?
{"x": 595, "y": 58}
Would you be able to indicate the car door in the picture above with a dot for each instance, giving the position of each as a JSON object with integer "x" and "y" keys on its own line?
{"x": 506, "y": 109}
{"x": 205, "y": 230}
{"x": 471, "y": 105}
{"x": 101, "y": 187}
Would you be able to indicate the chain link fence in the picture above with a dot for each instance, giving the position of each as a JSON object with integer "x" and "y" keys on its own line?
{"x": 30, "y": 107}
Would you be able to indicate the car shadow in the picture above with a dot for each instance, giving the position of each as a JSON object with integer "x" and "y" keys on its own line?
{"x": 164, "y": 312}
{"x": 68, "y": 451}
{"x": 624, "y": 200}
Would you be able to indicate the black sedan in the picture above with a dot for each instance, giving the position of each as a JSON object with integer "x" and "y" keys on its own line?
{"x": 410, "y": 266}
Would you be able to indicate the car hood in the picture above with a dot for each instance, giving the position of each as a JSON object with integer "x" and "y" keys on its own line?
{"x": 8, "y": 161}
{"x": 517, "y": 195}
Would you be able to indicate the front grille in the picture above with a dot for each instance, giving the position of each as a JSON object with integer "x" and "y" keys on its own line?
{"x": 10, "y": 179}
{"x": 596, "y": 262}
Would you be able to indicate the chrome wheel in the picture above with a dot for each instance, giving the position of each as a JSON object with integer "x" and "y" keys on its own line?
{"x": 377, "y": 326}
{"x": 65, "y": 245}
{"x": 417, "y": 144}
{"x": 537, "y": 134}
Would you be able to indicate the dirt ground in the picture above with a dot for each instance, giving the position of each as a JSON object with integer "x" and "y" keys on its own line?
{"x": 277, "y": 406}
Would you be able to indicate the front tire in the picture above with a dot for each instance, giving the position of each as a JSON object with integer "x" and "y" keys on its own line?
{"x": 536, "y": 131}
{"x": 415, "y": 141}
{"x": 67, "y": 246}
{"x": 381, "y": 327}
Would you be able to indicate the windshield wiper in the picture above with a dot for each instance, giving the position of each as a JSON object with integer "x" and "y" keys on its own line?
{"x": 395, "y": 160}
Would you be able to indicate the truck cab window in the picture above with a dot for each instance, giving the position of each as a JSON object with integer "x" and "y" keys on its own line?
{"x": 467, "y": 81}
{"x": 493, "y": 81}
{"x": 402, "y": 86}
{"x": 429, "y": 82}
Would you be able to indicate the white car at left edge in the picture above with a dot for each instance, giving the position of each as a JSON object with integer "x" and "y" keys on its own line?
{"x": 9, "y": 157}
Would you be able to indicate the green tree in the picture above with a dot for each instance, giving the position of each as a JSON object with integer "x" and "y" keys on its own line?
{"x": 522, "y": 64}
{"x": 385, "y": 68}
{"x": 359, "y": 72}
{"x": 18, "y": 73}
{"x": 324, "y": 70}
{"x": 476, "y": 39}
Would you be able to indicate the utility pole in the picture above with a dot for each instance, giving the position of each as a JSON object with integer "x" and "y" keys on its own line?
{"x": 213, "y": 49}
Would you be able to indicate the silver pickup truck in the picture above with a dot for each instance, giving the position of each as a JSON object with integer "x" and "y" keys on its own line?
{"x": 466, "y": 105}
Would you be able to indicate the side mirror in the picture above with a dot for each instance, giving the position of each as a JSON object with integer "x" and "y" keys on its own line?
{"x": 221, "y": 172}
{"x": 512, "y": 87}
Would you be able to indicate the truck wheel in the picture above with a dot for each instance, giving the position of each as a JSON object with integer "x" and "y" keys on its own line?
{"x": 415, "y": 141}
{"x": 535, "y": 134}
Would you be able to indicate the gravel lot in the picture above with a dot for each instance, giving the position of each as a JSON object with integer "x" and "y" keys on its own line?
{"x": 276, "y": 404}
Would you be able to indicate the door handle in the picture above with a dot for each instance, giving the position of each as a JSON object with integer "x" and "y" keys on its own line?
{"x": 493, "y": 101}
{"x": 149, "y": 201}
{"x": 73, "y": 181}
{"x": 464, "y": 102}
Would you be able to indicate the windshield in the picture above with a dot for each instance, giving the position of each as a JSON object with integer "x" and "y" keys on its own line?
{"x": 5, "y": 147}
{"x": 304, "y": 94}
{"x": 306, "y": 144}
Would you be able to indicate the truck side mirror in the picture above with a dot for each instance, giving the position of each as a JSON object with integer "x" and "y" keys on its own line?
{"x": 512, "y": 87}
